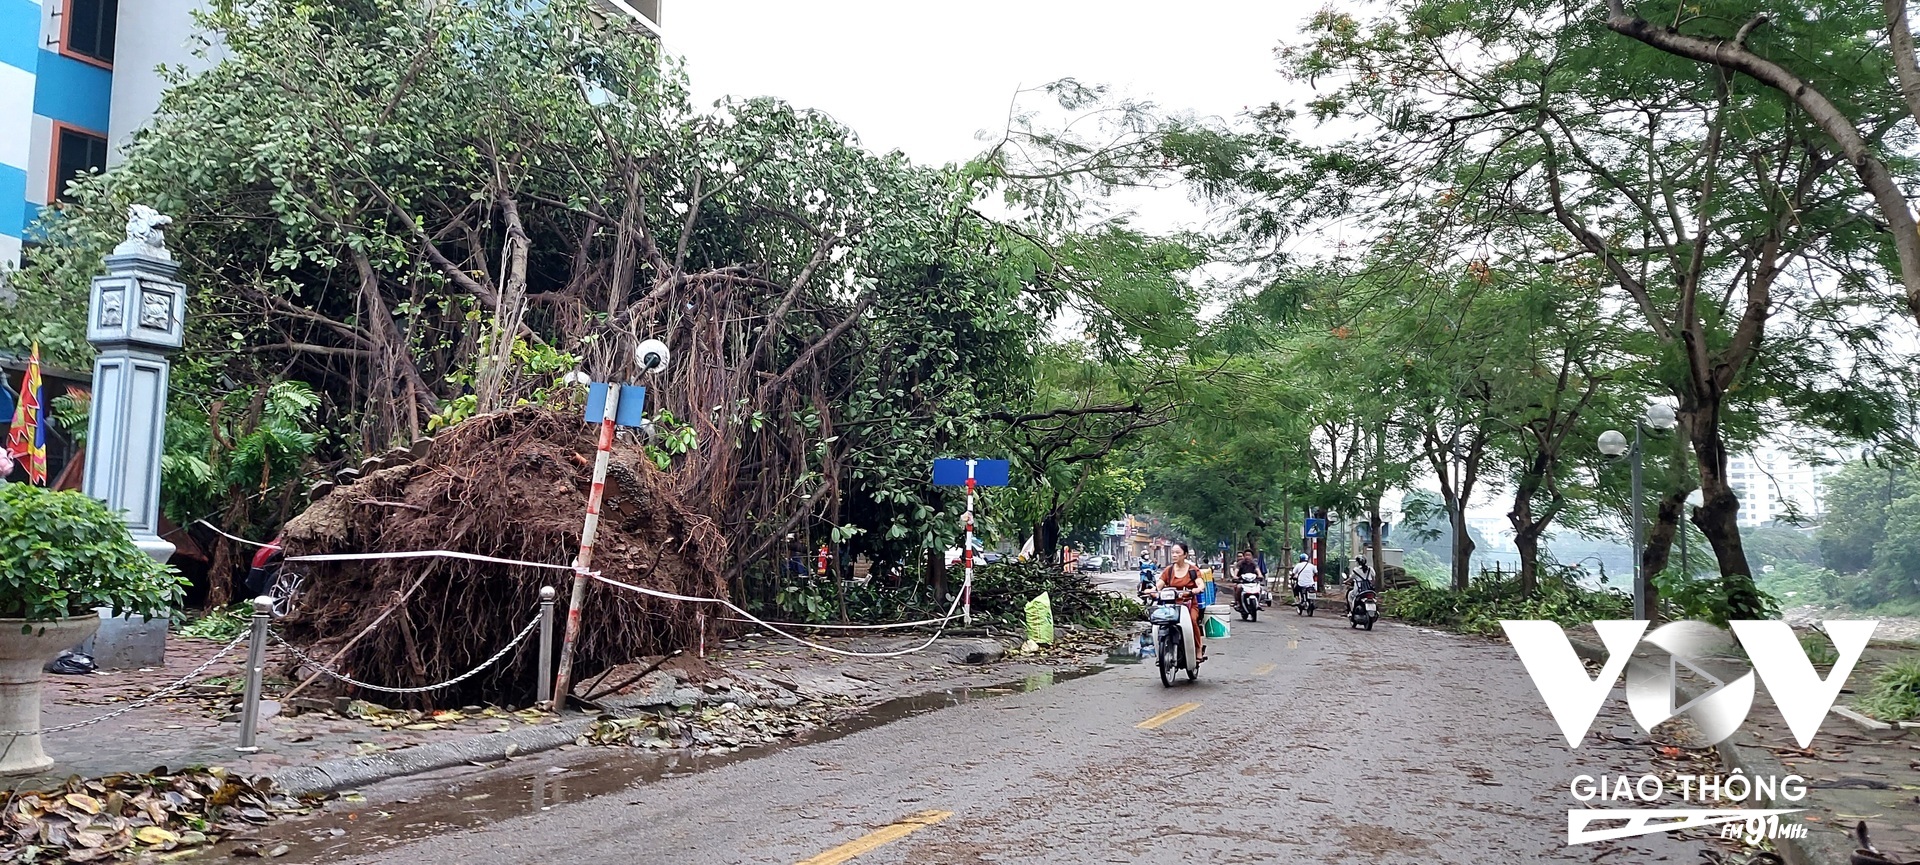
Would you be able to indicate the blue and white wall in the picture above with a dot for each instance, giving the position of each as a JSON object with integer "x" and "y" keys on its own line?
{"x": 40, "y": 88}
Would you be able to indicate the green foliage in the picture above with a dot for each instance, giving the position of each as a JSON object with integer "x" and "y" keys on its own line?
{"x": 223, "y": 624}
{"x": 809, "y": 600}
{"x": 1714, "y": 599}
{"x": 1479, "y": 609}
{"x": 1895, "y": 693}
{"x": 1870, "y": 533}
{"x": 62, "y": 554}
{"x": 1002, "y": 589}
{"x": 1820, "y": 650}
{"x": 70, "y": 412}
{"x": 1796, "y": 583}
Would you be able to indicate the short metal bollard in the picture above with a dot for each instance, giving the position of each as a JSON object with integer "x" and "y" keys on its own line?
{"x": 256, "y": 667}
{"x": 544, "y": 676}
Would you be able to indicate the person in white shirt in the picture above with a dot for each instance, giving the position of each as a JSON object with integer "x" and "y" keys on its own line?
{"x": 1306, "y": 578}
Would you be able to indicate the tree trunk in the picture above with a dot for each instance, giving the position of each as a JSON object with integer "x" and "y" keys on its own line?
{"x": 1719, "y": 513}
{"x": 937, "y": 575}
{"x": 1658, "y": 552}
{"x": 1046, "y": 538}
{"x": 1373, "y": 525}
{"x": 1462, "y": 559}
{"x": 1528, "y": 543}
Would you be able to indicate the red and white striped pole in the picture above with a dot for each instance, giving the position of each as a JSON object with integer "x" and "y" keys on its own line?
{"x": 584, "y": 562}
{"x": 966, "y": 555}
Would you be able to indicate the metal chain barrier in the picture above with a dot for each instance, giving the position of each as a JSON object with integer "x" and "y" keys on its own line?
{"x": 335, "y": 674}
{"x": 143, "y": 701}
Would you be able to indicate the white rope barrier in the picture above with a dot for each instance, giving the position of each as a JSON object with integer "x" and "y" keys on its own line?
{"x": 236, "y": 538}
{"x": 769, "y": 625}
{"x": 804, "y": 625}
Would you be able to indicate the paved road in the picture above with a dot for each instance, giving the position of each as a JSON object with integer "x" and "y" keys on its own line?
{"x": 1260, "y": 761}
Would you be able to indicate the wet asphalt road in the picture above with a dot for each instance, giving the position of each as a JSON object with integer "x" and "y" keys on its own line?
{"x": 1303, "y": 741}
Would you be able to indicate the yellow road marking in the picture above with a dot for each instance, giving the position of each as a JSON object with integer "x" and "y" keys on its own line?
{"x": 878, "y": 838}
{"x": 1293, "y": 644}
{"x": 1264, "y": 669}
{"x": 1154, "y": 722}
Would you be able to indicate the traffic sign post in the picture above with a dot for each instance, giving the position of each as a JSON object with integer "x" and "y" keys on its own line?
{"x": 972, "y": 473}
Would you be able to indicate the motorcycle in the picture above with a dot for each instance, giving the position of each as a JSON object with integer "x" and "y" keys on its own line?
{"x": 1248, "y": 602}
{"x": 1147, "y": 576}
{"x": 1175, "y": 645}
{"x": 1363, "y": 606}
{"x": 1303, "y": 603}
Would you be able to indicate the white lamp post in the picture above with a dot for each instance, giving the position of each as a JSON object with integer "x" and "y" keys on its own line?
{"x": 1614, "y": 444}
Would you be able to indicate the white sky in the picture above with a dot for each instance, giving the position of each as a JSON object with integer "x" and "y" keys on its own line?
{"x": 925, "y": 77}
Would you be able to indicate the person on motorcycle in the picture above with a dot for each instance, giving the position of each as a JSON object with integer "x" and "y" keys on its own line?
{"x": 1246, "y": 565}
{"x": 1306, "y": 578}
{"x": 1183, "y": 574}
{"x": 1362, "y": 579}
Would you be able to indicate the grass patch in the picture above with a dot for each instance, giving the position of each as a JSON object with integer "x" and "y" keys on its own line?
{"x": 1895, "y": 694}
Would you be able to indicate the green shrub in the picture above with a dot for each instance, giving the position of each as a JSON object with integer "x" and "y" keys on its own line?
{"x": 62, "y": 554}
{"x": 1714, "y": 599}
{"x": 1001, "y": 591}
{"x": 1820, "y": 650}
{"x": 1895, "y": 695}
{"x": 1486, "y": 601}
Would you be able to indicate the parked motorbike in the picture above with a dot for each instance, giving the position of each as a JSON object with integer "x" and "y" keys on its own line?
{"x": 1176, "y": 646}
{"x": 1248, "y": 602}
{"x": 1363, "y": 605}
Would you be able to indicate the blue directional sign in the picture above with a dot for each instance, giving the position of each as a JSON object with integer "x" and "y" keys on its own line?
{"x": 1316, "y": 528}
{"x": 986, "y": 473}
{"x": 633, "y": 404}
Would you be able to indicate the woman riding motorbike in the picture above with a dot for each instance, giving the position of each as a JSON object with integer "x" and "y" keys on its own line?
{"x": 1183, "y": 574}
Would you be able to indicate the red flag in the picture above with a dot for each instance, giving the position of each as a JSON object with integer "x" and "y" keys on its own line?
{"x": 27, "y": 437}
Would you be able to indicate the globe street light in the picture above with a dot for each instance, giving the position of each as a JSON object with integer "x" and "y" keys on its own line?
{"x": 1614, "y": 444}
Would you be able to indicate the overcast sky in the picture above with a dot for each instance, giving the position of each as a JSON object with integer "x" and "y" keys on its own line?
{"x": 926, "y": 77}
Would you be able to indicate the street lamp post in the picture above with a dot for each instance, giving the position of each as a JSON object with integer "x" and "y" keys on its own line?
{"x": 1614, "y": 444}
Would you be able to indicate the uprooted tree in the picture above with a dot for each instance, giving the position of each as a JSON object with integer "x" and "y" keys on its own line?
{"x": 431, "y": 211}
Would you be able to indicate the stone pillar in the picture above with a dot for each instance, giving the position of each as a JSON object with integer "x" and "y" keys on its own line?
{"x": 136, "y": 318}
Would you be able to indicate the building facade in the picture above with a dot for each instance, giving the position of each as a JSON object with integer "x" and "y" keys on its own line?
{"x": 1775, "y": 485}
{"x": 79, "y": 77}
{"x": 57, "y": 60}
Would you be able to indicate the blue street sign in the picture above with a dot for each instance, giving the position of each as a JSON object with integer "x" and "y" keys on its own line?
{"x": 1316, "y": 528}
{"x": 986, "y": 473}
{"x": 1225, "y": 544}
{"x": 633, "y": 404}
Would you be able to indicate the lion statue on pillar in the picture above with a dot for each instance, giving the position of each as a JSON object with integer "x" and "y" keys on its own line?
{"x": 144, "y": 236}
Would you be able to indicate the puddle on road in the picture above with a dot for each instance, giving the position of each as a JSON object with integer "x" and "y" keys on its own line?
{"x": 360, "y": 828}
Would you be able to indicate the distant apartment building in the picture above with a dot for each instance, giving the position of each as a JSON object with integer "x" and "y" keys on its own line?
{"x": 79, "y": 77}
{"x": 1775, "y": 485}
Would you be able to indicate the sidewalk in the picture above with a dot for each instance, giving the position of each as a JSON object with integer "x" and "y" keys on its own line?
{"x": 201, "y": 727}
{"x": 189, "y": 729}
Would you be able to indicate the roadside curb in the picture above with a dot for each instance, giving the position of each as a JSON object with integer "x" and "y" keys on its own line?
{"x": 348, "y": 773}
{"x": 1822, "y": 846}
